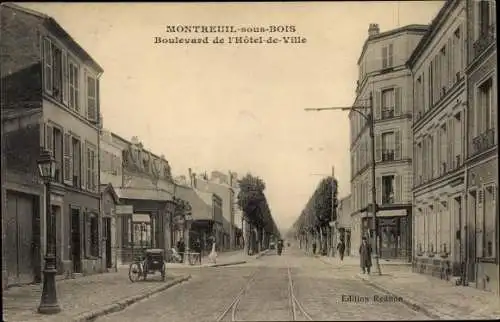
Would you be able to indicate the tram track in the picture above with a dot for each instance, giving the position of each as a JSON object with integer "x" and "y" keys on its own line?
{"x": 296, "y": 311}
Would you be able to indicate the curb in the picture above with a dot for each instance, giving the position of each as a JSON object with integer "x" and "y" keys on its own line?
{"x": 259, "y": 255}
{"x": 123, "y": 304}
{"x": 414, "y": 305}
{"x": 227, "y": 264}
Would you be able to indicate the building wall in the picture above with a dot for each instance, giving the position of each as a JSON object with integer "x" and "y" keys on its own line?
{"x": 439, "y": 146}
{"x": 482, "y": 150}
{"x": 21, "y": 65}
{"x": 110, "y": 160}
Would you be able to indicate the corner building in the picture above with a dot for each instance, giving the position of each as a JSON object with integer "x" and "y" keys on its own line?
{"x": 384, "y": 74}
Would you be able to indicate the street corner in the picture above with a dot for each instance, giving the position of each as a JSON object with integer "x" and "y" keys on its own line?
{"x": 171, "y": 281}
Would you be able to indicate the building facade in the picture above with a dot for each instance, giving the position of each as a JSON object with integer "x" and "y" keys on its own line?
{"x": 481, "y": 225}
{"x": 45, "y": 70}
{"x": 440, "y": 100}
{"x": 383, "y": 75}
{"x": 344, "y": 212}
{"x": 143, "y": 183}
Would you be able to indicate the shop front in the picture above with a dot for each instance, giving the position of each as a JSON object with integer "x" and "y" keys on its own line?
{"x": 394, "y": 233}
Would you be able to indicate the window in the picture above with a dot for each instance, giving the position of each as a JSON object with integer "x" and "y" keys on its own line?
{"x": 388, "y": 103}
{"x": 484, "y": 17}
{"x": 485, "y": 106}
{"x": 388, "y": 189}
{"x": 76, "y": 156}
{"x": 444, "y": 70}
{"x": 68, "y": 173}
{"x": 73, "y": 86}
{"x": 91, "y": 169}
{"x": 91, "y": 99}
{"x": 431, "y": 87}
{"x": 57, "y": 70}
{"x": 388, "y": 146}
{"x": 91, "y": 235}
{"x": 387, "y": 56}
{"x": 457, "y": 54}
{"x": 418, "y": 97}
{"x": 58, "y": 154}
{"x": 443, "y": 149}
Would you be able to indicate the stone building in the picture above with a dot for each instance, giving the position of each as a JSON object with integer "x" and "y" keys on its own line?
{"x": 439, "y": 87}
{"x": 481, "y": 225}
{"x": 383, "y": 74}
{"x": 48, "y": 75}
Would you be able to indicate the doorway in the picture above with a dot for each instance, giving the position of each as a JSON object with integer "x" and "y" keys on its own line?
{"x": 107, "y": 236}
{"x": 470, "y": 232}
{"x": 76, "y": 248}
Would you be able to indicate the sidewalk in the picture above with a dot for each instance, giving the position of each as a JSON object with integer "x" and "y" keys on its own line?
{"x": 84, "y": 298}
{"x": 223, "y": 259}
{"x": 437, "y": 298}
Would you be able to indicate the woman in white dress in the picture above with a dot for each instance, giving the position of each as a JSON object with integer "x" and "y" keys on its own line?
{"x": 213, "y": 254}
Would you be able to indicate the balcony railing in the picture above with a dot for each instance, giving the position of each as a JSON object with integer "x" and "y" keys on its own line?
{"x": 486, "y": 38}
{"x": 388, "y": 113}
{"x": 483, "y": 141}
{"x": 387, "y": 199}
{"x": 388, "y": 155}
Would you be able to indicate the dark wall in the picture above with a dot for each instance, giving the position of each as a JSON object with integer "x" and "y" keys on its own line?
{"x": 21, "y": 84}
{"x": 22, "y": 150}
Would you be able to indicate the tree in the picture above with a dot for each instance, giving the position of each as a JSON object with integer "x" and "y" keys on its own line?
{"x": 251, "y": 197}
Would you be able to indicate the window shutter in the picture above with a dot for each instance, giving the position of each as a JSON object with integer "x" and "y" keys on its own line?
{"x": 76, "y": 75}
{"x": 49, "y": 138}
{"x": 378, "y": 147}
{"x": 65, "y": 84}
{"x": 397, "y": 145}
{"x": 480, "y": 223}
{"x": 450, "y": 142}
{"x": 449, "y": 57}
{"x": 378, "y": 104}
{"x": 398, "y": 106}
{"x": 378, "y": 182}
{"x": 88, "y": 234}
{"x": 83, "y": 165}
{"x": 95, "y": 173}
{"x": 398, "y": 189}
{"x": 384, "y": 57}
{"x": 98, "y": 101}
{"x": 391, "y": 58}
{"x": 47, "y": 59}
{"x": 91, "y": 98}
{"x": 67, "y": 159}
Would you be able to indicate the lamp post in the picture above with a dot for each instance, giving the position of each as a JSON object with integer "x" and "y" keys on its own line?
{"x": 48, "y": 302}
{"x": 371, "y": 123}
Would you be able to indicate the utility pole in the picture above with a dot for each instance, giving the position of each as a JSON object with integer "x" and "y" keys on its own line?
{"x": 333, "y": 236}
{"x": 371, "y": 122}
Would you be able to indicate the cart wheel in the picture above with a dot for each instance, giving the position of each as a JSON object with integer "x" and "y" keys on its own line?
{"x": 134, "y": 272}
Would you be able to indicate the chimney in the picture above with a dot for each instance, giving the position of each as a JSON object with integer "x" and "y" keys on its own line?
{"x": 230, "y": 179}
{"x": 373, "y": 30}
{"x": 193, "y": 180}
{"x": 190, "y": 177}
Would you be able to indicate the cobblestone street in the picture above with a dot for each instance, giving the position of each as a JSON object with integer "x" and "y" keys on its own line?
{"x": 211, "y": 291}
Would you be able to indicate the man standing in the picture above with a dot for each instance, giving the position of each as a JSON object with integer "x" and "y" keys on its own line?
{"x": 181, "y": 248}
{"x": 341, "y": 249}
{"x": 365, "y": 255}
{"x": 314, "y": 247}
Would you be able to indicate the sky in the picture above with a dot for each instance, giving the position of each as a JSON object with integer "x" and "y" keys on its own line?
{"x": 237, "y": 107}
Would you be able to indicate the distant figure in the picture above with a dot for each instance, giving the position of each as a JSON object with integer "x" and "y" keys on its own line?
{"x": 365, "y": 255}
{"x": 197, "y": 249}
{"x": 181, "y": 248}
{"x": 213, "y": 254}
{"x": 314, "y": 247}
{"x": 341, "y": 249}
{"x": 280, "y": 246}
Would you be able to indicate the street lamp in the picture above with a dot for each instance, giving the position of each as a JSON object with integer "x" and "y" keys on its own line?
{"x": 48, "y": 302}
{"x": 371, "y": 122}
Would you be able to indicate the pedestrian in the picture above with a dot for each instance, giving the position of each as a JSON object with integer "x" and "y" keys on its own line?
{"x": 213, "y": 254}
{"x": 365, "y": 255}
{"x": 181, "y": 248}
{"x": 314, "y": 247}
{"x": 197, "y": 249}
{"x": 341, "y": 249}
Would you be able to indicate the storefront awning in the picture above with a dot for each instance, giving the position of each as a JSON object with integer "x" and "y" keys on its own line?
{"x": 143, "y": 194}
{"x": 386, "y": 213}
